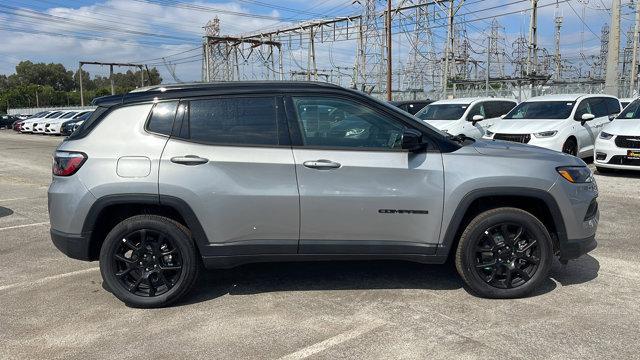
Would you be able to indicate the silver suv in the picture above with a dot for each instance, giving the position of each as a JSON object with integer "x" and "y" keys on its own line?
{"x": 159, "y": 183}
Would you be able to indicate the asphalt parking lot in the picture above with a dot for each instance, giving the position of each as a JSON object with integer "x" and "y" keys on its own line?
{"x": 55, "y": 307}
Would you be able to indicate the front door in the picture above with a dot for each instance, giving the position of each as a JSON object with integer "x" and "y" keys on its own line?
{"x": 232, "y": 163}
{"x": 359, "y": 192}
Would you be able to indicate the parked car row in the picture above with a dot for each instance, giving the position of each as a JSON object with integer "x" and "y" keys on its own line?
{"x": 580, "y": 125}
{"x": 62, "y": 122}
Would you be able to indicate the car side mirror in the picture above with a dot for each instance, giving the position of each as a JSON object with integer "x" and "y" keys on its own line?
{"x": 476, "y": 118}
{"x": 412, "y": 140}
{"x": 613, "y": 116}
{"x": 503, "y": 116}
{"x": 587, "y": 117}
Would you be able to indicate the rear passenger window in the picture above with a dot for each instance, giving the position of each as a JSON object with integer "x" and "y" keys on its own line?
{"x": 162, "y": 115}
{"x": 242, "y": 121}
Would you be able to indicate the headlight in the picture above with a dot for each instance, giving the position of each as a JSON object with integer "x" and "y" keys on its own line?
{"x": 576, "y": 174}
{"x": 546, "y": 134}
{"x": 605, "y": 136}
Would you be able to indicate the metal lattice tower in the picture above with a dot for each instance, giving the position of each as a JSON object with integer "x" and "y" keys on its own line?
{"x": 496, "y": 52}
{"x": 519, "y": 55}
{"x": 215, "y": 62}
{"x": 421, "y": 73}
{"x": 600, "y": 62}
{"x": 370, "y": 59}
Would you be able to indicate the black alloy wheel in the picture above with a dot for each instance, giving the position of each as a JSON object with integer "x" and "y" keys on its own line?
{"x": 147, "y": 263}
{"x": 570, "y": 147}
{"x": 507, "y": 255}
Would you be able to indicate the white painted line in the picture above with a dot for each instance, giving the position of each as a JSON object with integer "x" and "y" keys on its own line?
{"x": 18, "y": 198}
{"x": 331, "y": 342}
{"x": 25, "y": 225}
{"x": 48, "y": 278}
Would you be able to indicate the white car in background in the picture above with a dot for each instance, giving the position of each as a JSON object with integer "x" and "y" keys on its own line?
{"x": 38, "y": 126}
{"x": 626, "y": 101}
{"x": 618, "y": 145}
{"x": 54, "y": 127}
{"x": 469, "y": 116}
{"x": 28, "y": 125}
{"x": 567, "y": 123}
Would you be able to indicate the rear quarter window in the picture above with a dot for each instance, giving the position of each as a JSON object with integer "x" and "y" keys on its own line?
{"x": 162, "y": 116}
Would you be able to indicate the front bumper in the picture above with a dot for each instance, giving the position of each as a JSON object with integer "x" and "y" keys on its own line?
{"x": 73, "y": 245}
{"x": 608, "y": 155}
{"x": 574, "y": 248}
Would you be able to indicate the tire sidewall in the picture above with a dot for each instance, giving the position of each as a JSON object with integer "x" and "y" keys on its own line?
{"x": 180, "y": 239}
{"x": 531, "y": 224}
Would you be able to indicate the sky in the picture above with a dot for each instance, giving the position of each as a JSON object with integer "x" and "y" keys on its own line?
{"x": 144, "y": 31}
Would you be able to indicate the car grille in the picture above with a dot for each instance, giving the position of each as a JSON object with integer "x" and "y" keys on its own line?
{"x": 629, "y": 142}
{"x": 623, "y": 160}
{"x": 521, "y": 138}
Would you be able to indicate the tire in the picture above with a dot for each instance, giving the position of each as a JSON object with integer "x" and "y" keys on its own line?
{"x": 157, "y": 274}
{"x": 528, "y": 261}
{"x": 603, "y": 170}
{"x": 570, "y": 147}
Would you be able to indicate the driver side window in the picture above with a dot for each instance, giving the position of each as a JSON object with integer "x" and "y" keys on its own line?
{"x": 334, "y": 122}
{"x": 478, "y": 109}
{"x": 583, "y": 108}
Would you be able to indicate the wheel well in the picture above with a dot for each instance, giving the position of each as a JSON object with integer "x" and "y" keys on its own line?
{"x": 535, "y": 206}
{"x": 112, "y": 215}
{"x": 572, "y": 138}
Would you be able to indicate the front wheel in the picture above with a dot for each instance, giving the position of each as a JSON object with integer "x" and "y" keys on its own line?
{"x": 149, "y": 261}
{"x": 570, "y": 147}
{"x": 504, "y": 253}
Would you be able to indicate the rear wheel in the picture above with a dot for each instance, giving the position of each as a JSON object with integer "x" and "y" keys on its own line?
{"x": 504, "y": 253}
{"x": 570, "y": 147}
{"x": 149, "y": 261}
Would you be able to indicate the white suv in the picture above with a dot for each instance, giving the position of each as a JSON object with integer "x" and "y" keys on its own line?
{"x": 470, "y": 117}
{"x": 618, "y": 145}
{"x": 567, "y": 123}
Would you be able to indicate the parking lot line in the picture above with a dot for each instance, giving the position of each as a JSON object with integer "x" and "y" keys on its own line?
{"x": 48, "y": 278}
{"x": 24, "y": 225}
{"x": 332, "y": 341}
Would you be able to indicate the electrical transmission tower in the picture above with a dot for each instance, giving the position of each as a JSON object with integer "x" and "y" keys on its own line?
{"x": 601, "y": 60}
{"x": 496, "y": 52}
{"x": 421, "y": 71}
{"x": 558, "y": 57}
{"x": 519, "y": 54}
{"x": 370, "y": 64}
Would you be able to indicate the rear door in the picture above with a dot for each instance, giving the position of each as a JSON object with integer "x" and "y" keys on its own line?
{"x": 230, "y": 160}
{"x": 359, "y": 192}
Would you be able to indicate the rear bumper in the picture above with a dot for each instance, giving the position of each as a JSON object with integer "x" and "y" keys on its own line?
{"x": 574, "y": 248}
{"x": 73, "y": 245}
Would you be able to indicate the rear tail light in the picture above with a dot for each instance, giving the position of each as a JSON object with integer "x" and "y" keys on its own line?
{"x": 66, "y": 163}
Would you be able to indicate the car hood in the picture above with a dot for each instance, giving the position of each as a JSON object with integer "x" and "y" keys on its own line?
{"x": 518, "y": 150}
{"x": 629, "y": 127}
{"x": 526, "y": 126}
{"x": 442, "y": 124}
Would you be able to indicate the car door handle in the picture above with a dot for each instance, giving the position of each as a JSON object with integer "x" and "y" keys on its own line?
{"x": 189, "y": 160}
{"x": 321, "y": 164}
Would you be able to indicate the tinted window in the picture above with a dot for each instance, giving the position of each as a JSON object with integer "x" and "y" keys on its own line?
{"x": 478, "y": 109}
{"x": 53, "y": 114}
{"x": 248, "y": 121}
{"x": 632, "y": 111}
{"x": 68, "y": 115}
{"x": 583, "y": 108}
{"x": 335, "y": 122}
{"x": 505, "y": 107}
{"x": 613, "y": 105}
{"x": 162, "y": 115}
{"x": 599, "y": 106}
{"x": 542, "y": 110}
{"x": 442, "y": 111}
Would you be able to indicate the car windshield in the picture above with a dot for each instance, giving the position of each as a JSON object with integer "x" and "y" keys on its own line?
{"x": 84, "y": 116}
{"x": 632, "y": 111}
{"x": 53, "y": 115}
{"x": 68, "y": 115}
{"x": 442, "y": 111}
{"x": 551, "y": 110}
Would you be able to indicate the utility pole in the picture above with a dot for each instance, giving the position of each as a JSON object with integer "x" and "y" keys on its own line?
{"x": 613, "y": 53}
{"x": 532, "y": 63}
{"x": 80, "y": 79}
{"x": 486, "y": 89}
{"x": 311, "y": 64}
{"x": 389, "y": 40}
{"x": 634, "y": 61}
{"x": 113, "y": 89}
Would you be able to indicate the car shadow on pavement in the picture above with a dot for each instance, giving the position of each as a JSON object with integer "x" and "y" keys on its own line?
{"x": 620, "y": 173}
{"x": 321, "y": 276}
{"x": 578, "y": 271}
{"x": 5, "y": 211}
